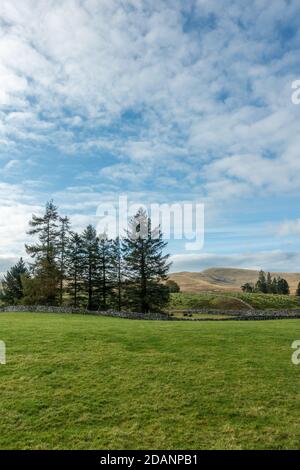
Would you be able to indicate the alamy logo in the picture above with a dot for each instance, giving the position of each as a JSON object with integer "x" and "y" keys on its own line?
{"x": 2, "y": 353}
{"x": 177, "y": 221}
{"x": 296, "y": 354}
{"x": 296, "y": 94}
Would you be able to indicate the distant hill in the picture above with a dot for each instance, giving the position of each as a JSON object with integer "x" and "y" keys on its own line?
{"x": 224, "y": 279}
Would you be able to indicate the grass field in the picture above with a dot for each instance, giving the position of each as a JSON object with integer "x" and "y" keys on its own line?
{"x": 232, "y": 301}
{"x": 84, "y": 382}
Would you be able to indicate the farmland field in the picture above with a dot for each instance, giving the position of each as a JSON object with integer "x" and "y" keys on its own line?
{"x": 232, "y": 301}
{"x": 84, "y": 382}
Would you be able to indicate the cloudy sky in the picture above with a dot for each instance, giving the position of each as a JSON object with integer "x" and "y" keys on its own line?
{"x": 164, "y": 101}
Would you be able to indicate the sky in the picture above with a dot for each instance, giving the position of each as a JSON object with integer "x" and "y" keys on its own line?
{"x": 161, "y": 101}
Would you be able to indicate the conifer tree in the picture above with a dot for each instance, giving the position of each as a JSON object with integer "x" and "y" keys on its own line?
{"x": 117, "y": 272}
{"x": 105, "y": 284}
{"x": 173, "y": 286}
{"x": 46, "y": 229}
{"x": 269, "y": 283}
{"x": 146, "y": 266}
{"x": 63, "y": 235}
{"x": 90, "y": 265}
{"x": 43, "y": 287}
{"x": 247, "y": 287}
{"x": 12, "y": 283}
{"x": 45, "y": 267}
{"x": 274, "y": 286}
{"x": 282, "y": 286}
{"x": 74, "y": 268}
{"x": 298, "y": 290}
{"x": 261, "y": 285}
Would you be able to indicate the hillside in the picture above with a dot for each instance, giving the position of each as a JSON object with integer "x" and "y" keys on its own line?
{"x": 224, "y": 279}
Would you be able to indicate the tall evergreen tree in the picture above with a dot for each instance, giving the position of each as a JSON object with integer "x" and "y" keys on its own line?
{"x": 45, "y": 267}
{"x": 261, "y": 285}
{"x": 173, "y": 287}
{"x": 269, "y": 283}
{"x": 63, "y": 235}
{"x": 46, "y": 229}
{"x": 117, "y": 272}
{"x": 74, "y": 268}
{"x": 105, "y": 283}
{"x": 12, "y": 283}
{"x": 274, "y": 286}
{"x": 247, "y": 287}
{"x": 90, "y": 265}
{"x": 282, "y": 286}
{"x": 146, "y": 266}
{"x": 43, "y": 287}
{"x": 298, "y": 290}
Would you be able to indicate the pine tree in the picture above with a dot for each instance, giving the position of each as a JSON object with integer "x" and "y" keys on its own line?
{"x": 269, "y": 283}
{"x": 12, "y": 283}
{"x": 105, "y": 284}
{"x": 247, "y": 287}
{"x": 117, "y": 272}
{"x": 90, "y": 265}
{"x": 74, "y": 268}
{"x": 298, "y": 290}
{"x": 63, "y": 234}
{"x": 45, "y": 267}
{"x": 46, "y": 229}
{"x": 274, "y": 286}
{"x": 172, "y": 286}
{"x": 43, "y": 288}
{"x": 283, "y": 287}
{"x": 146, "y": 266}
{"x": 261, "y": 285}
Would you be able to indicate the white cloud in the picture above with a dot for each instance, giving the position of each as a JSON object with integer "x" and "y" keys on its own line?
{"x": 189, "y": 100}
{"x": 14, "y": 218}
{"x": 289, "y": 227}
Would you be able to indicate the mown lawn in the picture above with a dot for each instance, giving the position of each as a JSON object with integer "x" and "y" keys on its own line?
{"x": 83, "y": 382}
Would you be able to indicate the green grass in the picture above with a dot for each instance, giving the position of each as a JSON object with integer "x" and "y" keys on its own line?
{"x": 84, "y": 382}
{"x": 182, "y": 301}
{"x": 232, "y": 301}
{"x": 270, "y": 301}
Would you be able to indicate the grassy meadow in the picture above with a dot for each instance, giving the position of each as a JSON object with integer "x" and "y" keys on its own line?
{"x": 84, "y": 382}
{"x": 232, "y": 301}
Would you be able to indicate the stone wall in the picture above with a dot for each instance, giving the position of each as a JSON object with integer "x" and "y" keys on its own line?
{"x": 233, "y": 314}
{"x": 70, "y": 310}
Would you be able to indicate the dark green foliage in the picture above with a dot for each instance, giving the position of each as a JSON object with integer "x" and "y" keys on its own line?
{"x": 74, "y": 268}
{"x": 298, "y": 290}
{"x": 63, "y": 236}
{"x": 146, "y": 266}
{"x": 282, "y": 287}
{"x": 46, "y": 229}
{"x": 12, "y": 284}
{"x": 105, "y": 281}
{"x": 91, "y": 271}
{"x": 268, "y": 285}
{"x": 117, "y": 272}
{"x": 43, "y": 287}
{"x": 172, "y": 286}
{"x": 261, "y": 285}
{"x": 90, "y": 266}
{"x": 274, "y": 285}
{"x": 247, "y": 287}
